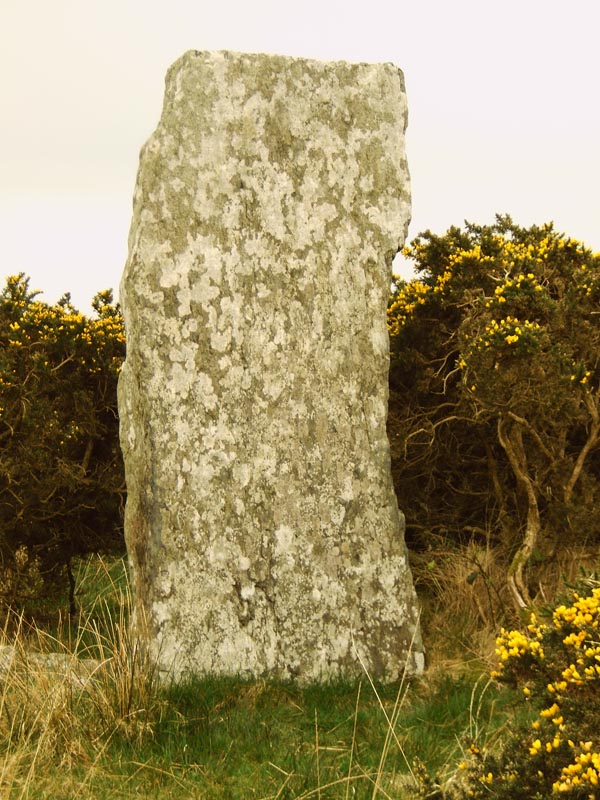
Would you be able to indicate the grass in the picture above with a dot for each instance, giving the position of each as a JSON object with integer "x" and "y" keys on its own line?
{"x": 108, "y": 730}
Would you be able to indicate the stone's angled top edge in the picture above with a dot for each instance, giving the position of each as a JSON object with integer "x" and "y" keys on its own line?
{"x": 191, "y": 55}
{"x": 384, "y": 70}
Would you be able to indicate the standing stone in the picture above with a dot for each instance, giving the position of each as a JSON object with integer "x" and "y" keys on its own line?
{"x": 262, "y": 527}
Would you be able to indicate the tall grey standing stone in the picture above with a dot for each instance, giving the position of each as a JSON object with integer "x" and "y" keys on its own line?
{"x": 261, "y": 523}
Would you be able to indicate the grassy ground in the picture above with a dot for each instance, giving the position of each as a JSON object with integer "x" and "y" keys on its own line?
{"x": 117, "y": 734}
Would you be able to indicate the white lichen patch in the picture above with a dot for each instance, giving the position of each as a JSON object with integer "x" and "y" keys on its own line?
{"x": 261, "y": 522}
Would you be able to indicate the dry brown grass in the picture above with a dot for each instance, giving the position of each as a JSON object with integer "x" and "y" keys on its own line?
{"x": 63, "y": 696}
{"x": 466, "y": 600}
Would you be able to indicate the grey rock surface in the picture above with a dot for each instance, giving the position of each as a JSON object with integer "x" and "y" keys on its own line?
{"x": 262, "y": 527}
{"x": 65, "y": 669}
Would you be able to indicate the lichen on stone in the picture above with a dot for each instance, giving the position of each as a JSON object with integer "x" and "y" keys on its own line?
{"x": 261, "y": 522}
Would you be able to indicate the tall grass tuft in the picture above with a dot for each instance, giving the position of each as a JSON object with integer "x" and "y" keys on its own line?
{"x": 65, "y": 694}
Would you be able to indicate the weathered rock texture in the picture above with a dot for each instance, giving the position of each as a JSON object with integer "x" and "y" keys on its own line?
{"x": 261, "y": 522}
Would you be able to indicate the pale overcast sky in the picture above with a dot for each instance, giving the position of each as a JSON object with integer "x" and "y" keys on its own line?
{"x": 503, "y": 104}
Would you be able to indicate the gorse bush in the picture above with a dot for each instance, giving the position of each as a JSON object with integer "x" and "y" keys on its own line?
{"x": 556, "y": 664}
{"x": 61, "y": 473}
{"x": 495, "y": 394}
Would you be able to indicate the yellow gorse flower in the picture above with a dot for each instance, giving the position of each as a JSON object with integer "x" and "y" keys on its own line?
{"x": 508, "y": 330}
{"x": 409, "y": 297}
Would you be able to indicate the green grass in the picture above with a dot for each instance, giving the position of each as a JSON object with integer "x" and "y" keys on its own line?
{"x": 126, "y": 737}
{"x": 237, "y": 739}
